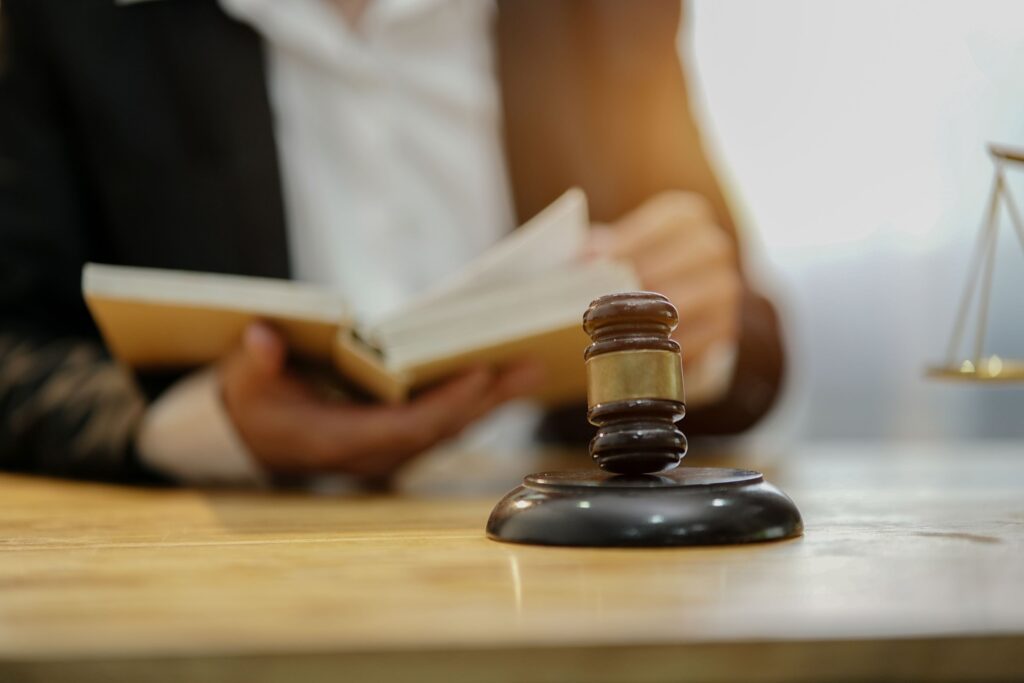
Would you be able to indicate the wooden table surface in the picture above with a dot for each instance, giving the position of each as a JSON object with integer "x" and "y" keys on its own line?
{"x": 912, "y": 566}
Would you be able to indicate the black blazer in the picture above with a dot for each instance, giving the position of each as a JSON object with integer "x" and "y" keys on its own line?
{"x": 143, "y": 135}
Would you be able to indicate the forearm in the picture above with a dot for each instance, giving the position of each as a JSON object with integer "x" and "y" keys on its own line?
{"x": 757, "y": 378}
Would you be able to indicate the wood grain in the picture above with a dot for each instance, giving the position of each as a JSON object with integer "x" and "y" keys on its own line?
{"x": 911, "y": 566}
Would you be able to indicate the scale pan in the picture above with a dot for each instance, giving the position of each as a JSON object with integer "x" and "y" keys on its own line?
{"x": 990, "y": 369}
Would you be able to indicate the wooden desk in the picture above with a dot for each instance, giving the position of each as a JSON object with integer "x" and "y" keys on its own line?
{"x": 912, "y": 567}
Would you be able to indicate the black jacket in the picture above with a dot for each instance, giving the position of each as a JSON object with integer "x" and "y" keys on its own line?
{"x": 143, "y": 135}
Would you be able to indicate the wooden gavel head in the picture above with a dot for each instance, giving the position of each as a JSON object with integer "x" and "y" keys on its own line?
{"x": 635, "y": 389}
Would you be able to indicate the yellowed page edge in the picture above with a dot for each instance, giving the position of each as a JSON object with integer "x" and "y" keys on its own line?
{"x": 360, "y": 364}
{"x": 560, "y": 350}
{"x": 147, "y": 335}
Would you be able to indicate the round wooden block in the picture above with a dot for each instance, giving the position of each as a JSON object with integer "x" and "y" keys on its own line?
{"x": 687, "y": 506}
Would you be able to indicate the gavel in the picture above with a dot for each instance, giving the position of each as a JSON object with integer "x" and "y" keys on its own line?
{"x": 638, "y": 497}
{"x": 635, "y": 391}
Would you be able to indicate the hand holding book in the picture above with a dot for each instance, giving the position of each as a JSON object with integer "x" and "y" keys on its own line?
{"x": 677, "y": 249}
{"x": 290, "y": 429}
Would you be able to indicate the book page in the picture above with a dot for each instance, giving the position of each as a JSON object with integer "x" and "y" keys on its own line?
{"x": 553, "y": 238}
{"x": 531, "y": 305}
{"x": 258, "y": 295}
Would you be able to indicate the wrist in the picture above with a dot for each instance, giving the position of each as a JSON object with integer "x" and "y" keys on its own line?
{"x": 188, "y": 435}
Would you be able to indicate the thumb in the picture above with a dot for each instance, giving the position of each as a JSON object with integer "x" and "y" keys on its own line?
{"x": 263, "y": 349}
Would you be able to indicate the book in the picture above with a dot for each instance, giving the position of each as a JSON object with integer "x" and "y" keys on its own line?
{"x": 523, "y": 298}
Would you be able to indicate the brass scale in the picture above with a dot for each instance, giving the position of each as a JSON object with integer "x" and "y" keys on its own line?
{"x": 979, "y": 367}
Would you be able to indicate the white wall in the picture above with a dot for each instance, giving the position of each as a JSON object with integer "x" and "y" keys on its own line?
{"x": 852, "y": 135}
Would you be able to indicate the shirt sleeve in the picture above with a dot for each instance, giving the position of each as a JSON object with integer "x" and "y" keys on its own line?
{"x": 186, "y": 434}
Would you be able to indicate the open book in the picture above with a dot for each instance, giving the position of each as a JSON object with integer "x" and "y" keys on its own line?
{"x": 524, "y": 298}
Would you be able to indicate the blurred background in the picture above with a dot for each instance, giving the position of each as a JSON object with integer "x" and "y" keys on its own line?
{"x": 852, "y": 136}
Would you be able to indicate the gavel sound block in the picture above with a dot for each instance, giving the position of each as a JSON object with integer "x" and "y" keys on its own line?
{"x": 638, "y": 498}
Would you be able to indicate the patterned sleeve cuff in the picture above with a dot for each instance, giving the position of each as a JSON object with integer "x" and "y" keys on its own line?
{"x": 187, "y": 434}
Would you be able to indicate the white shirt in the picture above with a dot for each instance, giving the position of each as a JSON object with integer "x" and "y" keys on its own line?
{"x": 389, "y": 141}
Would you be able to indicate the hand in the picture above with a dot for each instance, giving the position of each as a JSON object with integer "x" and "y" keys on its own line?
{"x": 290, "y": 429}
{"x": 679, "y": 251}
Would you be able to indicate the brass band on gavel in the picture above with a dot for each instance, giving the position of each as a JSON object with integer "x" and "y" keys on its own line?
{"x": 623, "y": 375}
{"x": 635, "y": 391}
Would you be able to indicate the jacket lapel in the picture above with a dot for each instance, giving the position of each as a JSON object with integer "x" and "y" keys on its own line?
{"x": 213, "y": 73}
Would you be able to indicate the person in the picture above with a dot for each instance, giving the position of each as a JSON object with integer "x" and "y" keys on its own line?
{"x": 370, "y": 146}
